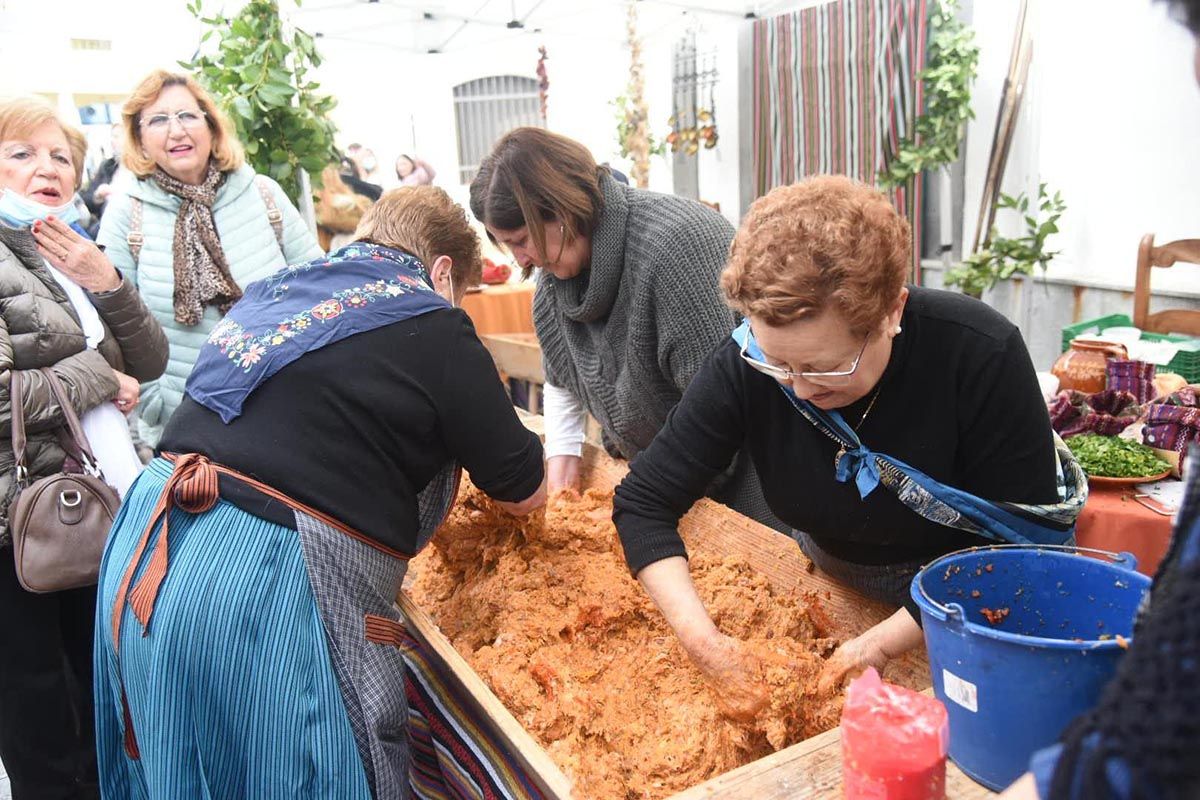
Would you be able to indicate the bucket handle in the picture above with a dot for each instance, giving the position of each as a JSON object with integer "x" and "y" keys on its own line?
{"x": 955, "y": 612}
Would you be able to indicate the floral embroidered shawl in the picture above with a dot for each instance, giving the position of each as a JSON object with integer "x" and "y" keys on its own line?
{"x": 302, "y": 308}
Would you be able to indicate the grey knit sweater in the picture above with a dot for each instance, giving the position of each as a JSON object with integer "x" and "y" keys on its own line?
{"x": 627, "y": 334}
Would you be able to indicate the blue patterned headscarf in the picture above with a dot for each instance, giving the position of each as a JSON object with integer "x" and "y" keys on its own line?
{"x": 304, "y": 308}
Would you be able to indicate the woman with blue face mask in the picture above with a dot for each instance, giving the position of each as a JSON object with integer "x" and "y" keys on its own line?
{"x": 63, "y": 307}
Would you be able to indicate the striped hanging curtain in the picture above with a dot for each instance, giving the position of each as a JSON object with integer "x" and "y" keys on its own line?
{"x": 835, "y": 90}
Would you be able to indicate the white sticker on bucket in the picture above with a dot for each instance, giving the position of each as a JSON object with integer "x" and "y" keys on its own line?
{"x": 962, "y": 692}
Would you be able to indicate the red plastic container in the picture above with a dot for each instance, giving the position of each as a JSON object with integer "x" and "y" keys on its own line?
{"x": 893, "y": 742}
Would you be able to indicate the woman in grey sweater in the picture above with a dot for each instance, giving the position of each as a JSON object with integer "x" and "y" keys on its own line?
{"x": 627, "y": 304}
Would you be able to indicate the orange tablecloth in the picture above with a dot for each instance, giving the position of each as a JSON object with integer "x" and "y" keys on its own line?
{"x": 507, "y": 308}
{"x": 1112, "y": 520}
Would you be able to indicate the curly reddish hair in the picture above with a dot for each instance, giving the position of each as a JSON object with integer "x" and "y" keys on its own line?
{"x": 825, "y": 242}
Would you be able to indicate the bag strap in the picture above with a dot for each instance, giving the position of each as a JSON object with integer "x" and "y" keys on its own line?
{"x": 17, "y": 412}
{"x": 78, "y": 437}
{"x": 274, "y": 215}
{"x": 134, "y": 238}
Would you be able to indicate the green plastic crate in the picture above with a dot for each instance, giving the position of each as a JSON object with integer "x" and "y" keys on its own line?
{"x": 1184, "y": 363}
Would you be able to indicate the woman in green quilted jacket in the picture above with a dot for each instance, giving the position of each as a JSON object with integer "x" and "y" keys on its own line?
{"x": 195, "y": 226}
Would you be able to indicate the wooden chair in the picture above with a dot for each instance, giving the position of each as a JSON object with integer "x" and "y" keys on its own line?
{"x": 518, "y": 356}
{"x": 1174, "y": 320}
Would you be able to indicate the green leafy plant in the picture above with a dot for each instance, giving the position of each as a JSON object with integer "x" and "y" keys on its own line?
{"x": 947, "y": 78}
{"x": 258, "y": 74}
{"x": 627, "y": 128}
{"x": 1003, "y": 258}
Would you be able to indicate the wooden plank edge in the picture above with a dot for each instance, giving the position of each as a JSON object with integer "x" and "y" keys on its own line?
{"x": 523, "y": 339}
{"x": 728, "y": 781}
{"x": 797, "y": 761}
{"x": 531, "y": 756}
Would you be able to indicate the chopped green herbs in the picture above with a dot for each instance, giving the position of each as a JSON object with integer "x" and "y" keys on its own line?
{"x": 1111, "y": 457}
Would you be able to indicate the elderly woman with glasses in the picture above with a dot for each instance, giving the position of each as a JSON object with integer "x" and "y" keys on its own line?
{"x": 890, "y": 425}
{"x": 195, "y": 226}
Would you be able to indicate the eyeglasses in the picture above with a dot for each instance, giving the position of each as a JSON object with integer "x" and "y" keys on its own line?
{"x": 837, "y": 378}
{"x": 188, "y": 120}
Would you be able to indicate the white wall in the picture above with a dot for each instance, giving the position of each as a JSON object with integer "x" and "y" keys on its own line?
{"x": 720, "y": 173}
{"x": 1111, "y": 118}
{"x": 410, "y": 107}
{"x": 36, "y": 54}
{"x": 392, "y": 97}
{"x": 407, "y": 102}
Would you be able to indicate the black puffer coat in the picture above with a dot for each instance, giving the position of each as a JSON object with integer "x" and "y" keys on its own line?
{"x": 39, "y": 328}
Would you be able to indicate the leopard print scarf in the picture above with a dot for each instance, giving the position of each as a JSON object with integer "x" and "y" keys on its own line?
{"x": 201, "y": 272}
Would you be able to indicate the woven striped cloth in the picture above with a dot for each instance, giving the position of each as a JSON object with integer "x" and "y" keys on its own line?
{"x": 1173, "y": 422}
{"x": 835, "y": 90}
{"x": 453, "y": 756}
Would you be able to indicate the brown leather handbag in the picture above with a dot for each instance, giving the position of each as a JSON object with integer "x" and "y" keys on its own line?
{"x": 59, "y": 524}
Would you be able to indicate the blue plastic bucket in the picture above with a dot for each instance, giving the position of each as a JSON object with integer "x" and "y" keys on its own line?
{"x": 1012, "y": 686}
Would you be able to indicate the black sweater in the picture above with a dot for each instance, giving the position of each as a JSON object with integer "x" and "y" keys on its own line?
{"x": 357, "y": 428}
{"x": 958, "y": 400}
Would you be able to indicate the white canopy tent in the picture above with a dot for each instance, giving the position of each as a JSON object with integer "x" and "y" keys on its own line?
{"x": 448, "y": 26}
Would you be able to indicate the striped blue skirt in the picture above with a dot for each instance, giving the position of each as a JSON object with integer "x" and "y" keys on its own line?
{"x": 231, "y": 689}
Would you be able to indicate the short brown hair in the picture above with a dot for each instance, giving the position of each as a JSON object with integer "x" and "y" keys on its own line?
{"x": 533, "y": 175}
{"x": 21, "y": 116}
{"x": 423, "y": 221}
{"x": 828, "y": 241}
{"x": 226, "y": 149}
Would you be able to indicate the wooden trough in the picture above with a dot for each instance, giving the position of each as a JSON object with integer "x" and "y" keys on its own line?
{"x": 808, "y": 769}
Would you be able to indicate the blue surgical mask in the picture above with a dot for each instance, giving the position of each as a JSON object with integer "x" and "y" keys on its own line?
{"x": 21, "y": 212}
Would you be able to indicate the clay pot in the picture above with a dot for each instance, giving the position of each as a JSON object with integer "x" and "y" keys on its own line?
{"x": 1084, "y": 367}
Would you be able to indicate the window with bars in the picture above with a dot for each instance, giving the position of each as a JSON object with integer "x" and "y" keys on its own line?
{"x": 487, "y": 108}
